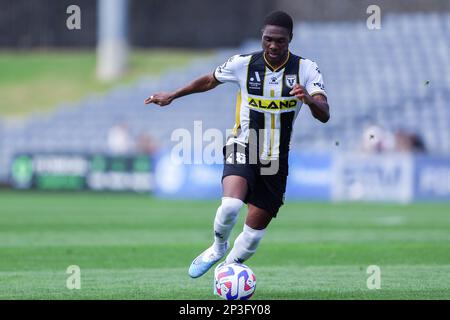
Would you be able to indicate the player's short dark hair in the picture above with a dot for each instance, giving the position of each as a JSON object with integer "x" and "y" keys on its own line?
{"x": 281, "y": 19}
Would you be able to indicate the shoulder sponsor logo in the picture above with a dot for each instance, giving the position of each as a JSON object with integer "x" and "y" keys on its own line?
{"x": 317, "y": 69}
{"x": 290, "y": 80}
{"x": 272, "y": 104}
{"x": 320, "y": 85}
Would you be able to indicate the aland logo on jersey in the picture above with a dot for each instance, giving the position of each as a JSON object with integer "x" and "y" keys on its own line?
{"x": 264, "y": 104}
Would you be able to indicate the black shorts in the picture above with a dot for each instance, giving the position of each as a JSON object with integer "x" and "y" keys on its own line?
{"x": 266, "y": 181}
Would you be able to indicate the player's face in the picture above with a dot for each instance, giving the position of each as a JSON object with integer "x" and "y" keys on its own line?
{"x": 275, "y": 42}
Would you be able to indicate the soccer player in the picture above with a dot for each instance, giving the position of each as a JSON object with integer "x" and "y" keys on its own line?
{"x": 274, "y": 84}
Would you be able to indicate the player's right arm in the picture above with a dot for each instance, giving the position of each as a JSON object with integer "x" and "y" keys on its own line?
{"x": 205, "y": 83}
{"x": 227, "y": 72}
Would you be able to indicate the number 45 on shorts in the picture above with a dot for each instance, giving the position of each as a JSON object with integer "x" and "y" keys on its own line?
{"x": 240, "y": 158}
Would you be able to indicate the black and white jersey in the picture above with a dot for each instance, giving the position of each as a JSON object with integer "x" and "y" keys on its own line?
{"x": 263, "y": 101}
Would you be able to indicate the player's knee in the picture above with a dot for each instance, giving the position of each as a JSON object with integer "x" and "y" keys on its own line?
{"x": 252, "y": 237}
{"x": 230, "y": 209}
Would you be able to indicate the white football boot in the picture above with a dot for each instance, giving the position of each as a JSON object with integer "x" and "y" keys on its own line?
{"x": 205, "y": 261}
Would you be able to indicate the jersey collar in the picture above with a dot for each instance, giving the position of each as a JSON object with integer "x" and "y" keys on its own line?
{"x": 280, "y": 67}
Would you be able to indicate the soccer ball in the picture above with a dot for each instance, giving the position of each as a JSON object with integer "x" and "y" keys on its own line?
{"x": 234, "y": 281}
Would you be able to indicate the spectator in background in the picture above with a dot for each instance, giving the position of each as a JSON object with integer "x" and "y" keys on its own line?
{"x": 146, "y": 144}
{"x": 120, "y": 142}
{"x": 377, "y": 140}
{"x": 409, "y": 142}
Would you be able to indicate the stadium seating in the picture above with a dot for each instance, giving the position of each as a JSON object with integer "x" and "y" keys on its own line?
{"x": 397, "y": 77}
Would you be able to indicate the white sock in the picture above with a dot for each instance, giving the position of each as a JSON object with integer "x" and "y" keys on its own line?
{"x": 245, "y": 245}
{"x": 226, "y": 217}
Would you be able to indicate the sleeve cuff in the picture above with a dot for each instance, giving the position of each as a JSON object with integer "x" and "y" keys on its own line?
{"x": 214, "y": 75}
{"x": 318, "y": 92}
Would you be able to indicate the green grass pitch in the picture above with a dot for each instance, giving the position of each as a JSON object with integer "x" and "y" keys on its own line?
{"x": 138, "y": 247}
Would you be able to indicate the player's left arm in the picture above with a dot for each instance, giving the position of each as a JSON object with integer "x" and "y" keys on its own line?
{"x": 317, "y": 102}
{"x": 313, "y": 92}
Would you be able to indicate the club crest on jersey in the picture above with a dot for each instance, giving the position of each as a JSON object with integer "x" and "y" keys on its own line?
{"x": 290, "y": 80}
